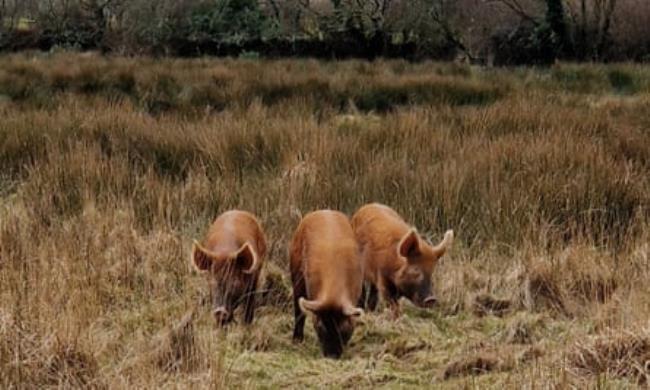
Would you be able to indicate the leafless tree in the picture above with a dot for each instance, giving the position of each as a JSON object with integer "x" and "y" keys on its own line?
{"x": 591, "y": 22}
{"x": 11, "y": 12}
{"x": 522, "y": 8}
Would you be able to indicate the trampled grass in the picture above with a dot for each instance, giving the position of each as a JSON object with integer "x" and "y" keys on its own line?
{"x": 109, "y": 167}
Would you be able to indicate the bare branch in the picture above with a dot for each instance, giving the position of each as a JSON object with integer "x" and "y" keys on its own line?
{"x": 304, "y": 5}
{"x": 606, "y": 24}
{"x": 436, "y": 14}
{"x": 516, "y": 7}
{"x": 276, "y": 9}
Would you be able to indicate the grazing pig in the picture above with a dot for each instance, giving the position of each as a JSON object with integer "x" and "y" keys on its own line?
{"x": 396, "y": 260}
{"x": 231, "y": 256}
{"x": 327, "y": 278}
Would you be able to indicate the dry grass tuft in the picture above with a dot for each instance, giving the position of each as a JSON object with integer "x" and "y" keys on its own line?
{"x": 531, "y": 353}
{"x": 568, "y": 282}
{"x": 39, "y": 359}
{"x": 176, "y": 349}
{"x": 275, "y": 290}
{"x": 614, "y": 354}
{"x": 402, "y": 347}
{"x": 481, "y": 363}
{"x": 485, "y": 359}
{"x": 485, "y": 304}
{"x": 70, "y": 366}
{"x": 543, "y": 288}
{"x": 523, "y": 329}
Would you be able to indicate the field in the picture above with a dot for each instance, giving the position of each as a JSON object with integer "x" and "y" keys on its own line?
{"x": 109, "y": 167}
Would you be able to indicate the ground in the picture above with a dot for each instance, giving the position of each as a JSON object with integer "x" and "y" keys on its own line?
{"x": 110, "y": 167}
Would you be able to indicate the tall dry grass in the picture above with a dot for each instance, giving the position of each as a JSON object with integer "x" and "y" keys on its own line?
{"x": 110, "y": 166}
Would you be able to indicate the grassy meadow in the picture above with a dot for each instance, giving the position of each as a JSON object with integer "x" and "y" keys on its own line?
{"x": 109, "y": 167}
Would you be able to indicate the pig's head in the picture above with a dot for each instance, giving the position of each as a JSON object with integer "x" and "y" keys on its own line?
{"x": 230, "y": 275}
{"x": 413, "y": 280}
{"x": 334, "y": 326}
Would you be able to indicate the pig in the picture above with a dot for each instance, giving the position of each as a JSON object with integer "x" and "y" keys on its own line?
{"x": 397, "y": 262}
{"x": 231, "y": 257}
{"x": 327, "y": 279}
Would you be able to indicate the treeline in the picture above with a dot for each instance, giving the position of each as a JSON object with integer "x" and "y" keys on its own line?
{"x": 478, "y": 31}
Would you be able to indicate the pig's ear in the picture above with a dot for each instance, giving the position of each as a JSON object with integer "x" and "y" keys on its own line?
{"x": 308, "y": 306}
{"x": 445, "y": 244}
{"x": 352, "y": 311}
{"x": 201, "y": 257}
{"x": 246, "y": 259}
{"x": 409, "y": 245}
